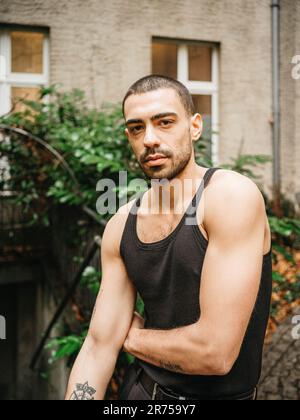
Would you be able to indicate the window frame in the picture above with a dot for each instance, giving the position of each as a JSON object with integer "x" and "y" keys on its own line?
{"x": 8, "y": 78}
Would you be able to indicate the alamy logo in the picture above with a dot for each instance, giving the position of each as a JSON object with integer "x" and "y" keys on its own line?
{"x": 296, "y": 68}
{"x": 161, "y": 188}
{"x": 296, "y": 329}
{"x": 2, "y": 328}
{"x": 2, "y": 65}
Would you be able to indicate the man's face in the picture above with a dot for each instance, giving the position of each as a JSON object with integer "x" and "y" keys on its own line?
{"x": 157, "y": 124}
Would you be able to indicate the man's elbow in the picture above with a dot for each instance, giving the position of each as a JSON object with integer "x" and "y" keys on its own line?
{"x": 215, "y": 363}
{"x": 222, "y": 366}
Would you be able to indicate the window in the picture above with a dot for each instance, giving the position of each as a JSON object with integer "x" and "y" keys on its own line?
{"x": 196, "y": 65}
{"x": 23, "y": 65}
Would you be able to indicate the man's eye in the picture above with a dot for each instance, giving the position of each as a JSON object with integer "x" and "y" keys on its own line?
{"x": 165, "y": 122}
{"x": 135, "y": 129}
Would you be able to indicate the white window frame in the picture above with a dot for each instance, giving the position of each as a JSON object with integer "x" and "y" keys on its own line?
{"x": 8, "y": 78}
{"x": 203, "y": 88}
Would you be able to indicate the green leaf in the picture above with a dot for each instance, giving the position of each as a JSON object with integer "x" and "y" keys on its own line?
{"x": 89, "y": 159}
{"x": 278, "y": 278}
{"x": 284, "y": 252}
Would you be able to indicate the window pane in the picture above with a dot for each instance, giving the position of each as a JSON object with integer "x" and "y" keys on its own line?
{"x": 27, "y": 52}
{"x": 203, "y": 106}
{"x": 164, "y": 59}
{"x": 28, "y": 93}
{"x": 200, "y": 58}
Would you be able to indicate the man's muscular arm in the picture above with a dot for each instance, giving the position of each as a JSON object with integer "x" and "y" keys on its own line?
{"x": 229, "y": 286}
{"x": 110, "y": 323}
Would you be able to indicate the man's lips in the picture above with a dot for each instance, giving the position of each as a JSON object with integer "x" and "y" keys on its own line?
{"x": 154, "y": 157}
{"x": 155, "y": 160}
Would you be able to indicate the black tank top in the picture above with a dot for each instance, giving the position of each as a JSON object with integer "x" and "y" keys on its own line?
{"x": 167, "y": 275}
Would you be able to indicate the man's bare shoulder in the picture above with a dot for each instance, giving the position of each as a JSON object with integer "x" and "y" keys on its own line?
{"x": 115, "y": 227}
{"x": 230, "y": 179}
{"x": 231, "y": 196}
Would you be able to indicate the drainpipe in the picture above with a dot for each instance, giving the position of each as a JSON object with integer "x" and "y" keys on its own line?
{"x": 276, "y": 106}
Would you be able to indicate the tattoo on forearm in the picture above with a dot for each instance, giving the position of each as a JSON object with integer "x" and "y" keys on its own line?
{"x": 83, "y": 392}
{"x": 166, "y": 365}
{"x": 171, "y": 366}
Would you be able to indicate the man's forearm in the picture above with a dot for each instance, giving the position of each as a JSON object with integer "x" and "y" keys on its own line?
{"x": 91, "y": 372}
{"x": 176, "y": 350}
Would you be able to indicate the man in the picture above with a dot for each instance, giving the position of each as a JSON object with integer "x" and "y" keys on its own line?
{"x": 204, "y": 272}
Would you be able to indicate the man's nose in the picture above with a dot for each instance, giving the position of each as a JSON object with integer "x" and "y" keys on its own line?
{"x": 151, "y": 139}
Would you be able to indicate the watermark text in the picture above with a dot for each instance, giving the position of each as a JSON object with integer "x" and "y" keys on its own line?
{"x": 2, "y": 328}
{"x": 165, "y": 197}
{"x": 296, "y": 68}
{"x": 296, "y": 329}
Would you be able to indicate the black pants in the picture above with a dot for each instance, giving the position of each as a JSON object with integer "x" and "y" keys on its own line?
{"x": 132, "y": 389}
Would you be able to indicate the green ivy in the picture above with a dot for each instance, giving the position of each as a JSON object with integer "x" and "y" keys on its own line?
{"x": 91, "y": 279}
{"x": 92, "y": 143}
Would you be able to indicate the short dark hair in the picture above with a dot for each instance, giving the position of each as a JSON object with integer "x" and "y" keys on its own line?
{"x": 156, "y": 81}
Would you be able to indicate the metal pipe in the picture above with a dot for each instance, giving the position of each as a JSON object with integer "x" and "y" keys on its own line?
{"x": 275, "y": 6}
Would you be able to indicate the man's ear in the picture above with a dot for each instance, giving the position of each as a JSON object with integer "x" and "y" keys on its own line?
{"x": 196, "y": 126}
{"x": 126, "y": 132}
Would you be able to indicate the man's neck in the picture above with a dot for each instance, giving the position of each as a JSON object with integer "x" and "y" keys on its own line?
{"x": 169, "y": 197}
